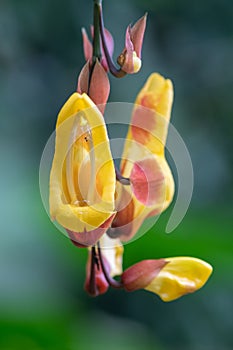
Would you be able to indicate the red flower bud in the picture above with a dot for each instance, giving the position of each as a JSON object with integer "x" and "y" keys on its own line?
{"x": 100, "y": 285}
{"x": 141, "y": 274}
{"x": 98, "y": 87}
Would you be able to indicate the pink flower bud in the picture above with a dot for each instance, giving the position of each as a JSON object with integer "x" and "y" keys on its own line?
{"x": 141, "y": 274}
{"x": 130, "y": 58}
{"x": 110, "y": 47}
{"x": 88, "y": 49}
{"x": 100, "y": 285}
{"x": 98, "y": 87}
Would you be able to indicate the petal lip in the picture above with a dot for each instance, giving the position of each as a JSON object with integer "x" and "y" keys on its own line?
{"x": 181, "y": 275}
{"x": 88, "y": 239}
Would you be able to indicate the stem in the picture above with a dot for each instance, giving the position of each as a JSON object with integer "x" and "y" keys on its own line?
{"x": 119, "y": 73}
{"x": 96, "y": 55}
{"x": 113, "y": 283}
{"x": 92, "y": 277}
{"x": 96, "y": 36}
{"x": 123, "y": 180}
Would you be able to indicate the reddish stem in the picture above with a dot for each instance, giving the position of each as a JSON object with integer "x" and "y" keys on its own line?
{"x": 113, "y": 283}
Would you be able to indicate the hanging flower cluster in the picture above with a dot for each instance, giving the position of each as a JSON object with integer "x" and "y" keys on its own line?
{"x": 100, "y": 206}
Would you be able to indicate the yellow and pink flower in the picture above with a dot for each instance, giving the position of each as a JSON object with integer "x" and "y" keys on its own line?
{"x": 100, "y": 206}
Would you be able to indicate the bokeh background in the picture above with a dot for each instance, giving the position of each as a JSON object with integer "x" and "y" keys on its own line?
{"x": 42, "y": 302}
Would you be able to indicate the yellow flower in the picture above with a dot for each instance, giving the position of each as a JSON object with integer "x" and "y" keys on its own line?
{"x": 169, "y": 278}
{"x": 143, "y": 160}
{"x": 180, "y": 276}
{"x": 82, "y": 179}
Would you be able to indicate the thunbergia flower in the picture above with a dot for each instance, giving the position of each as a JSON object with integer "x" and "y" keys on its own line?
{"x": 82, "y": 180}
{"x": 143, "y": 160}
{"x": 100, "y": 206}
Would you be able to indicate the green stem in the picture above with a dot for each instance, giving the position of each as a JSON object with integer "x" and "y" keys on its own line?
{"x": 96, "y": 36}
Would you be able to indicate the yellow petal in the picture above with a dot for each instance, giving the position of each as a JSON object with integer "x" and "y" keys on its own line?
{"x": 82, "y": 179}
{"x": 157, "y": 94}
{"x": 181, "y": 275}
{"x": 146, "y": 140}
{"x": 150, "y": 118}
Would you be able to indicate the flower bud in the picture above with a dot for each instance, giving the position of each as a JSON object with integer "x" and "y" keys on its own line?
{"x": 99, "y": 285}
{"x": 141, "y": 274}
{"x": 88, "y": 48}
{"x": 96, "y": 86}
{"x": 130, "y": 58}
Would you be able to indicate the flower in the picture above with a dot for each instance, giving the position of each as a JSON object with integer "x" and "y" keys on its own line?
{"x": 143, "y": 160}
{"x": 82, "y": 180}
{"x": 100, "y": 206}
{"x": 85, "y": 197}
{"x": 170, "y": 278}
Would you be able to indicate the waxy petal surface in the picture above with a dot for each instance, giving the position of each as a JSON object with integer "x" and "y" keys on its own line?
{"x": 143, "y": 161}
{"x": 180, "y": 276}
{"x": 82, "y": 179}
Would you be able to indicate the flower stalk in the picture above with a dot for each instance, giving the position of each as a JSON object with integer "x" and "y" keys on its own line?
{"x": 96, "y": 35}
{"x": 111, "y": 281}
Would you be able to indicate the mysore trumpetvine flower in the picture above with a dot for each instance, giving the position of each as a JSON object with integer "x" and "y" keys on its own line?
{"x": 100, "y": 206}
{"x": 143, "y": 160}
{"x": 82, "y": 180}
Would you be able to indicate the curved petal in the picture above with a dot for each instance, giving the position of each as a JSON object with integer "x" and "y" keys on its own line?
{"x": 143, "y": 161}
{"x": 137, "y": 34}
{"x": 180, "y": 276}
{"x": 150, "y": 118}
{"x": 87, "y": 45}
{"x": 82, "y": 179}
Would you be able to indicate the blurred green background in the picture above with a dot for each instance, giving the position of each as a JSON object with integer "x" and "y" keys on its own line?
{"x": 42, "y": 302}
